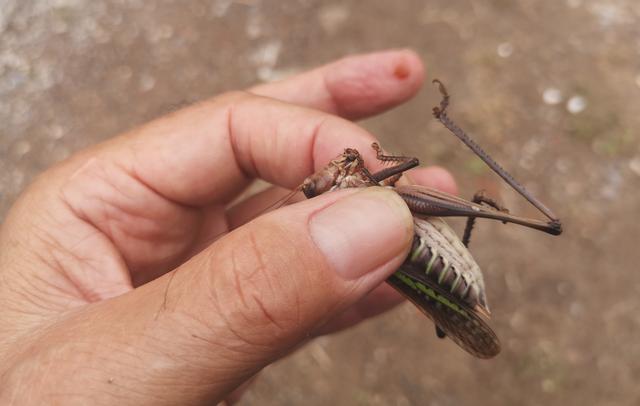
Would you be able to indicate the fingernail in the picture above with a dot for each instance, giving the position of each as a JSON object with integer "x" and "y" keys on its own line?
{"x": 362, "y": 231}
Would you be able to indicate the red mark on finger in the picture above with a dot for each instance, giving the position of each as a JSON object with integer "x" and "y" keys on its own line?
{"x": 401, "y": 71}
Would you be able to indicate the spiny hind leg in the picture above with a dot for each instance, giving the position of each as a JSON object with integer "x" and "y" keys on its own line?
{"x": 389, "y": 176}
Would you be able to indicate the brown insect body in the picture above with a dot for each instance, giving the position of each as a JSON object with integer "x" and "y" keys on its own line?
{"x": 439, "y": 276}
{"x": 440, "y": 257}
{"x": 347, "y": 170}
{"x": 442, "y": 268}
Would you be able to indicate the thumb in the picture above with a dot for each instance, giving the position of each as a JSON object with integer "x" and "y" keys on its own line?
{"x": 283, "y": 276}
{"x": 242, "y": 303}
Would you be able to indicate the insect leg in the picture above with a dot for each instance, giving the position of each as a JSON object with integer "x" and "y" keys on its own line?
{"x": 444, "y": 103}
{"x": 441, "y": 114}
{"x": 391, "y": 181}
{"x": 388, "y": 158}
{"x": 479, "y": 198}
{"x": 392, "y": 174}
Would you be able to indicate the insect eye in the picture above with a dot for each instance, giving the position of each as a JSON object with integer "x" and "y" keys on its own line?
{"x": 309, "y": 190}
{"x": 351, "y": 155}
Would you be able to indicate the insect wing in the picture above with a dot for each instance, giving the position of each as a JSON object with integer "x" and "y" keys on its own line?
{"x": 461, "y": 323}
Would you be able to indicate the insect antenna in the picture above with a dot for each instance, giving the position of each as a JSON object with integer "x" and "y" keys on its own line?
{"x": 280, "y": 202}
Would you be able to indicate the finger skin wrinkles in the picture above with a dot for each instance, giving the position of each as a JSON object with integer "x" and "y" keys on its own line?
{"x": 39, "y": 284}
{"x": 250, "y": 287}
{"x": 248, "y": 166}
{"x": 332, "y": 102}
{"x": 261, "y": 268}
{"x": 228, "y": 327}
{"x": 77, "y": 268}
{"x": 118, "y": 205}
{"x": 252, "y": 170}
{"x": 317, "y": 128}
{"x": 341, "y": 92}
{"x": 241, "y": 104}
{"x": 111, "y": 209}
{"x": 246, "y": 280}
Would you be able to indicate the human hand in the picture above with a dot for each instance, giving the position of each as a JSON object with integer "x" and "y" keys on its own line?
{"x": 125, "y": 275}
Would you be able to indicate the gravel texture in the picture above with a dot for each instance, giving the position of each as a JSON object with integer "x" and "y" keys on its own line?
{"x": 550, "y": 88}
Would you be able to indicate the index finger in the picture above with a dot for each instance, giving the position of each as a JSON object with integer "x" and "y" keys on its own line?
{"x": 353, "y": 87}
{"x": 206, "y": 153}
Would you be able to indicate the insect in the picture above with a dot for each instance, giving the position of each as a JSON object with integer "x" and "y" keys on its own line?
{"x": 439, "y": 275}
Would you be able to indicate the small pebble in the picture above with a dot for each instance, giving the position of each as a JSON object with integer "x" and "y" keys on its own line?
{"x": 552, "y": 96}
{"x": 332, "y": 17}
{"x": 56, "y": 132}
{"x": 609, "y": 13}
{"x": 505, "y": 50}
{"x": 220, "y": 7}
{"x": 576, "y": 309}
{"x": 253, "y": 29}
{"x": 147, "y": 82}
{"x": 267, "y": 54}
{"x": 576, "y": 104}
{"x": 265, "y": 73}
{"x": 562, "y": 288}
{"x": 548, "y": 385}
{"x": 22, "y": 148}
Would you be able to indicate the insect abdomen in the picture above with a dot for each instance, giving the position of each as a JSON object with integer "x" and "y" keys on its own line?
{"x": 437, "y": 251}
{"x": 441, "y": 278}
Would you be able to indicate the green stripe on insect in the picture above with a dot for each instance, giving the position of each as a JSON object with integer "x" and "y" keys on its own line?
{"x": 422, "y": 288}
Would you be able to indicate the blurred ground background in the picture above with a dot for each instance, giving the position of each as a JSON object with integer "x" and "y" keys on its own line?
{"x": 550, "y": 88}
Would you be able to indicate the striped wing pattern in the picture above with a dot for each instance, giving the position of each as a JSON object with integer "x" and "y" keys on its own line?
{"x": 461, "y": 323}
{"x": 441, "y": 278}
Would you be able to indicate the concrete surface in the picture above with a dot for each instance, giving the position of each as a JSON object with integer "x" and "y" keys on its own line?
{"x": 551, "y": 88}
